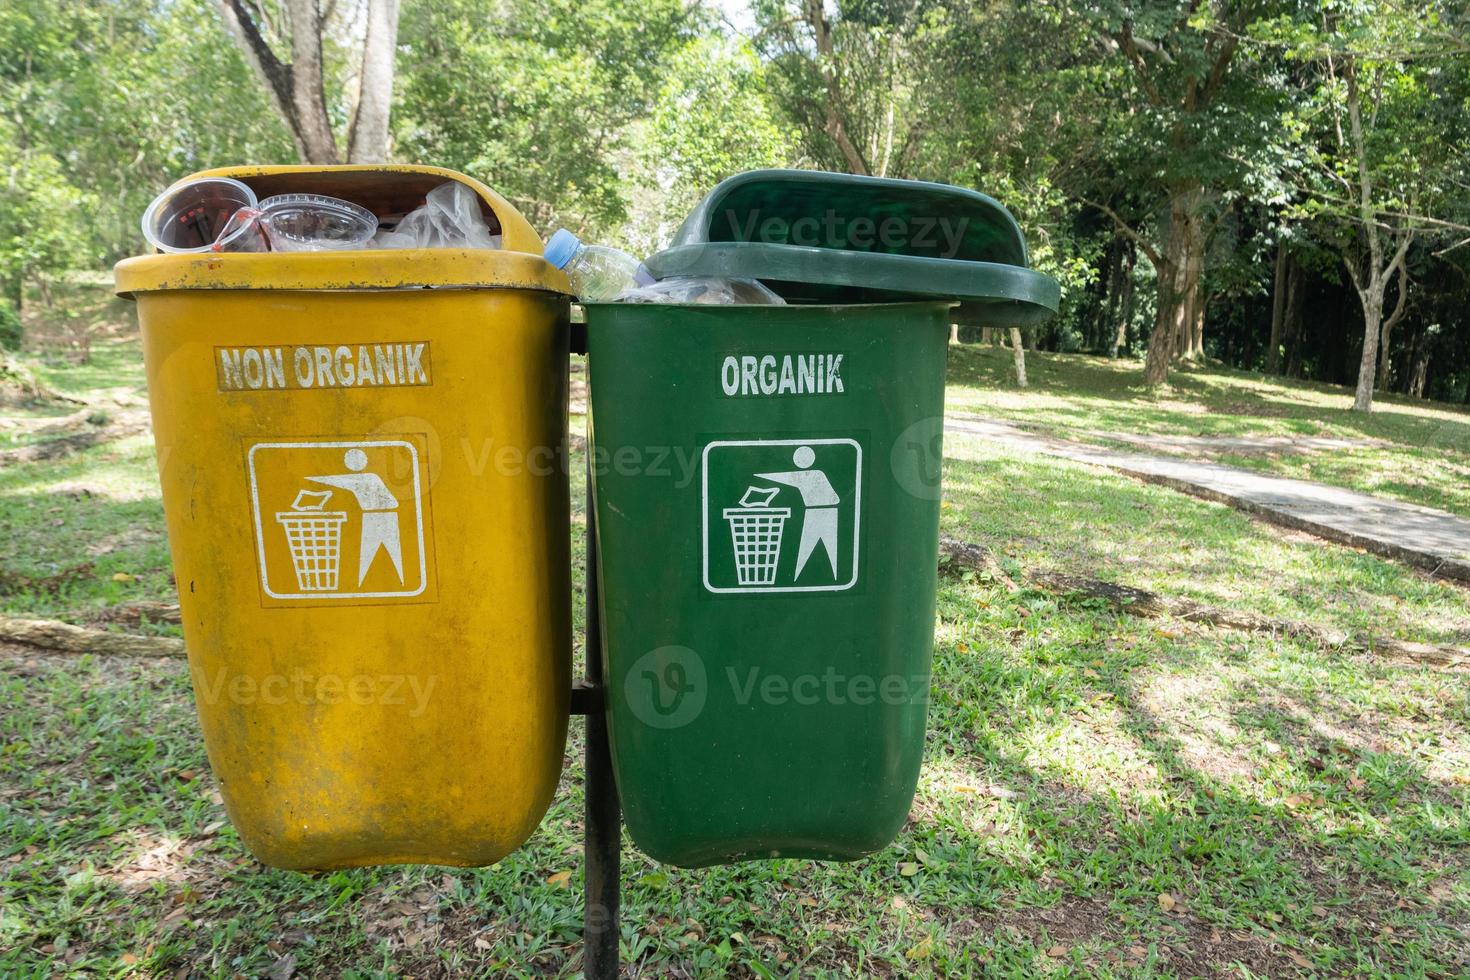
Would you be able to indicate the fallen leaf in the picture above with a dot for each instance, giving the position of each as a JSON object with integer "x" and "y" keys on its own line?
{"x": 908, "y": 869}
{"x": 1167, "y": 901}
{"x": 562, "y": 879}
{"x": 1299, "y": 959}
{"x": 921, "y": 950}
{"x": 121, "y": 577}
{"x": 1057, "y": 952}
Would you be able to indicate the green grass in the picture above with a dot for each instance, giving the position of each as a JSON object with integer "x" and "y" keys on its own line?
{"x": 1424, "y": 458}
{"x": 1102, "y": 795}
{"x": 1286, "y": 800}
{"x": 84, "y": 532}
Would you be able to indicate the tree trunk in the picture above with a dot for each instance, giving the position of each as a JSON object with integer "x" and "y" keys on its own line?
{"x": 308, "y": 82}
{"x": 1178, "y": 271}
{"x": 1371, "y": 285}
{"x": 1018, "y": 356}
{"x": 1419, "y": 363}
{"x": 1372, "y": 302}
{"x": 1278, "y": 311}
{"x": 367, "y": 137}
{"x": 297, "y": 89}
{"x": 1293, "y": 327}
{"x": 833, "y": 123}
{"x": 1399, "y": 306}
{"x": 1197, "y": 306}
{"x": 1125, "y": 305}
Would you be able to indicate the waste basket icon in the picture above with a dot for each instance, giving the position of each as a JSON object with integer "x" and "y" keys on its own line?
{"x": 314, "y": 538}
{"x": 755, "y": 533}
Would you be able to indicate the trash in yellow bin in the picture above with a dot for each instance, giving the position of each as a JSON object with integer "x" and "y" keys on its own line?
{"x": 360, "y": 456}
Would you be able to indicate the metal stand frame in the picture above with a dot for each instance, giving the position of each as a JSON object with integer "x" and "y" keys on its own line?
{"x": 602, "y": 828}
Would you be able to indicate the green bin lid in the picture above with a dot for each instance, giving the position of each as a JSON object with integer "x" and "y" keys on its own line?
{"x": 816, "y": 237}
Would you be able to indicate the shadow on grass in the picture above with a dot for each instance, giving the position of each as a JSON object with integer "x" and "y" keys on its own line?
{"x": 1315, "y": 846}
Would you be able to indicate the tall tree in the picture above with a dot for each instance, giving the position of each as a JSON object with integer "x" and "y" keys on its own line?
{"x": 1384, "y": 159}
{"x": 367, "y": 137}
{"x": 285, "y": 43}
{"x": 857, "y": 78}
{"x": 1182, "y": 140}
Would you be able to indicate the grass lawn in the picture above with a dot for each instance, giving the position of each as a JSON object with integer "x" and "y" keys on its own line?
{"x": 1102, "y": 795}
{"x": 1420, "y": 450}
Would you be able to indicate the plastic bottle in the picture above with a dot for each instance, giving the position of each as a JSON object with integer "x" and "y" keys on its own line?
{"x": 597, "y": 273}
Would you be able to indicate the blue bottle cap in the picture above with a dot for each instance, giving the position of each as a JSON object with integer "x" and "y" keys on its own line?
{"x": 561, "y": 247}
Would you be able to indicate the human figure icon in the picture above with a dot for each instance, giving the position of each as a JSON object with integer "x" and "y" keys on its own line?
{"x": 379, "y": 512}
{"x": 820, "y": 500}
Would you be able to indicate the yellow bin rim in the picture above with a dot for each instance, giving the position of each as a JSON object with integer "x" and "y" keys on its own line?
{"x": 383, "y": 188}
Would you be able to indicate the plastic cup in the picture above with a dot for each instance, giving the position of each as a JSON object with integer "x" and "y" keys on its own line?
{"x": 315, "y": 223}
{"x": 192, "y": 216}
{"x": 242, "y": 233}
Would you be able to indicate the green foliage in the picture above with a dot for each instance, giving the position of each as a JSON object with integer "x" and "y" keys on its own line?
{"x": 535, "y": 97}
{"x": 121, "y": 97}
{"x": 11, "y": 333}
{"x": 714, "y": 117}
{"x": 43, "y": 220}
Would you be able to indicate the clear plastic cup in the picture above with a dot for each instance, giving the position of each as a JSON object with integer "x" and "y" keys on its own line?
{"x": 193, "y": 216}
{"x": 242, "y": 233}
{"x": 315, "y": 223}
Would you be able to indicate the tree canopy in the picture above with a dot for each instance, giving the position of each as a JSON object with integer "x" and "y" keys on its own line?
{"x": 1276, "y": 184}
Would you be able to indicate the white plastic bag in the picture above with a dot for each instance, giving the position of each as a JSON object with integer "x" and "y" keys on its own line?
{"x": 449, "y": 218}
{"x": 707, "y": 290}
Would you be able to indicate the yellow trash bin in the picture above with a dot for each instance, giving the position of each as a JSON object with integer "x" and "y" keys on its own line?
{"x": 362, "y": 457}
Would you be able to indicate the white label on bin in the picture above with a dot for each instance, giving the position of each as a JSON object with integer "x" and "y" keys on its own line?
{"x": 339, "y": 519}
{"x": 782, "y": 515}
{"x": 323, "y": 366}
{"x": 742, "y": 376}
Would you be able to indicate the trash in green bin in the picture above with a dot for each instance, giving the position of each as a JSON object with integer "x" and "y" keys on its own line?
{"x": 767, "y": 488}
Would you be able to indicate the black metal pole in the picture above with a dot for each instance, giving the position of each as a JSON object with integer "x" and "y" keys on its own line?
{"x": 602, "y": 833}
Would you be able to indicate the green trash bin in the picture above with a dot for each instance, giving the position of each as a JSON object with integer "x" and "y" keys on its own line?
{"x": 766, "y": 483}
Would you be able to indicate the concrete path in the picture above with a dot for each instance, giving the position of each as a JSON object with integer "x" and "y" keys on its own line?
{"x": 1428, "y": 538}
{"x": 1234, "y": 445}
